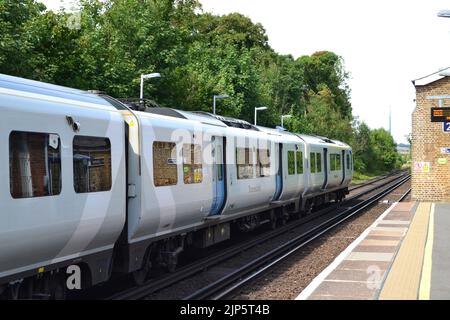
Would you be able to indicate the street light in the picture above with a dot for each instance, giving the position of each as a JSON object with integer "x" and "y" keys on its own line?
{"x": 285, "y": 117}
{"x": 220, "y": 96}
{"x": 257, "y": 109}
{"x": 444, "y": 14}
{"x": 147, "y": 76}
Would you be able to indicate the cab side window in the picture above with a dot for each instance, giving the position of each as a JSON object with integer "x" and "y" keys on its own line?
{"x": 319, "y": 162}
{"x": 263, "y": 163}
{"x": 312, "y": 160}
{"x": 291, "y": 162}
{"x": 91, "y": 164}
{"x": 332, "y": 162}
{"x": 244, "y": 163}
{"x": 192, "y": 163}
{"x": 299, "y": 162}
{"x": 34, "y": 164}
{"x": 164, "y": 164}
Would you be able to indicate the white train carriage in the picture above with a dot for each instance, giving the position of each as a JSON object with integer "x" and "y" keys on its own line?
{"x": 291, "y": 179}
{"x": 328, "y": 176}
{"x": 62, "y": 182}
{"x": 90, "y": 179}
{"x": 188, "y": 171}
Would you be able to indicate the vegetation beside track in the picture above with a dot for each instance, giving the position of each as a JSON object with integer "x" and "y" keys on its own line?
{"x": 106, "y": 45}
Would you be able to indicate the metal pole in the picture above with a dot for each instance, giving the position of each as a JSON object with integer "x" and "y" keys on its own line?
{"x": 282, "y": 121}
{"x": 214, "y": 105}
{"x": 256, "y": 112}
{"x": 142, "y": 88}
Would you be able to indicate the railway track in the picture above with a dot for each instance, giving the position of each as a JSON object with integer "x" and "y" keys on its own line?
{"x": 240, "y": 277}
{"x": 154, "y": 285}
{"x": 372, "y": 181}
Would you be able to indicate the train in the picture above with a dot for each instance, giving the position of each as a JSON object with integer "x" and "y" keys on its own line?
{"x": 90, "y": 181}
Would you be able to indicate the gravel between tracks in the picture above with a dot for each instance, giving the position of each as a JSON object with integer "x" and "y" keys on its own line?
{"x": 288, "y": 279}
{"x": 293, "y": 275}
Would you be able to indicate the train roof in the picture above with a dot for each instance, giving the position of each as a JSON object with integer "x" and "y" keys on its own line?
{"x": 322, "y": 141}
{"x": 279, "y": 132}
{"x": 203, "y": 117}
{"x": 47, "y": 89}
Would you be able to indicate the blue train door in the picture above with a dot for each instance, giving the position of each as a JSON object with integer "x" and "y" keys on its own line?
{"x": 279, "y": 176}
{"x": 325, "y": 168}
{"x": 218, "y": 179}
{"x": 343, "y": 166}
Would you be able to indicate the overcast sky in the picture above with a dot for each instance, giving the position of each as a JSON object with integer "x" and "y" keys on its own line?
{"x": 385, "y": 44}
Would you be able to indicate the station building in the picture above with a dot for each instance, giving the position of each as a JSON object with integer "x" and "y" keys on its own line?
{"x": 431, "y": 140}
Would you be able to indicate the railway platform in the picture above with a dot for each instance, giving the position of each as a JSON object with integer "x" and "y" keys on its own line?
{"x": 403, "y": 255}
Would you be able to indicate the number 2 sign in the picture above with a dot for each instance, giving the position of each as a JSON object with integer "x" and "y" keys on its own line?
{"x": 446, "y": 126}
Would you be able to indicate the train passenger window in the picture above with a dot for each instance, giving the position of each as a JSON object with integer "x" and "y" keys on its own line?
{"x": 332, "y": 162}
{"x": 348, "y": 162}
{"x": 192, "y": 163}
{"x": 164, "y": 163}
{"x": 34, "y": 164}
{"x": 299, "y": 162}
{"x": 338, "y": 162}
{"x": 91, "y": 164}
{"x": 244, "y": 163}
{"x": 312, "y": 160}
{"x": 291, "y": 162}
{"x": 263, "y": 163}
{"x": 319, "y": 162}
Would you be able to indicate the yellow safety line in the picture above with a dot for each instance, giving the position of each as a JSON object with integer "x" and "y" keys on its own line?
{"x": 425, "y": 281}
{"x": 403, "y": 279}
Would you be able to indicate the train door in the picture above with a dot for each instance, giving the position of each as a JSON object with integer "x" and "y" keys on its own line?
{"x": 218, "y": 175}
{"x": 343, "y": 166}
{"x": 279, "y": 175}
{"x": 348, "y": 166}
{"x": 325, "y": 168}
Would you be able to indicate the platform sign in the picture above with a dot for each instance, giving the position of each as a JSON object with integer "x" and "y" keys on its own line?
{"x": 445, "y": 150}
{"x": 446, "y": 126}
{"x": 441, "y": 114}
{"x": 421, "y": 167}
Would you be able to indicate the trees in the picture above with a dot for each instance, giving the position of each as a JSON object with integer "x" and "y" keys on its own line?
{"x": 198, "y": 55}
{"x": 16, "y": 40}
{"x": 383, "y": 150}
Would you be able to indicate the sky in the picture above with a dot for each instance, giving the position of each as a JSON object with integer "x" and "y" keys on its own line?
{"x": 384, "y": 43}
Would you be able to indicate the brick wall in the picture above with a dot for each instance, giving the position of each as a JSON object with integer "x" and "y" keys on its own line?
{"x": 427, "y": 140}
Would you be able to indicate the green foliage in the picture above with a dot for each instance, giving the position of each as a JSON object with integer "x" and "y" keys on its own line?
{"x": 198, "y": 55}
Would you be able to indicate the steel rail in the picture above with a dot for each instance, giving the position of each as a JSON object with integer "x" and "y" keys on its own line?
{"x": 154, "y": 285}
{"x": 232, "y": 281}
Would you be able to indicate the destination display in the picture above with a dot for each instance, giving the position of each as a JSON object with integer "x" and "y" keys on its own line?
{"x": 440, "y": 114}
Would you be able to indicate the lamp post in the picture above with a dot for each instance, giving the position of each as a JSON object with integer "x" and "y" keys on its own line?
{"x": 147, "y": 76}
{"x": 286, "y": 116}
{"x": 220, "y": 96}
{"x": 256, "y": 111}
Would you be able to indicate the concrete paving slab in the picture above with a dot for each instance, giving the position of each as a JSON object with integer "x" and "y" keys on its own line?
{"x": 370, "y": 256}
{"x": 362, "y": 265}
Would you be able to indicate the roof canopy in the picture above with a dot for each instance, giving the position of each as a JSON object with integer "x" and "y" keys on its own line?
{"x": 432, "y": 77}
